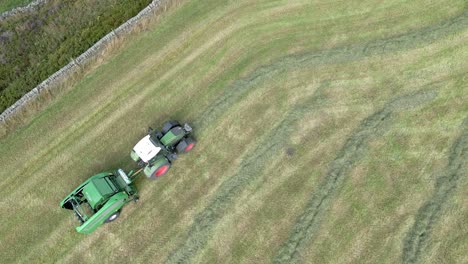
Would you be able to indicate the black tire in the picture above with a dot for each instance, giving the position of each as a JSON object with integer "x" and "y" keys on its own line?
{"x": 185, "y": 145}
{"x": 168, "y": 125}
{"x": 160, "y": 171}
{"x": 112, "y": 217}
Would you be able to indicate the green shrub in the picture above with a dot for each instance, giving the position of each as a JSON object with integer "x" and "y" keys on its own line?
{"x": 33, "y": 46}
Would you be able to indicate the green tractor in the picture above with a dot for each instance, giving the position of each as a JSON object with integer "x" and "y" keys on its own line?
{"x": 157, "y": 150}
{"x": 100, "y": 199}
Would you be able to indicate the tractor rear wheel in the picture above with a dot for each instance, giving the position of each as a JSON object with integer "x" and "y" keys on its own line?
{"x": 185, "y": 145}
{"x": 169, "y": 125}
{"x": 160, "y": 170}
{"x": 112, "y": 217}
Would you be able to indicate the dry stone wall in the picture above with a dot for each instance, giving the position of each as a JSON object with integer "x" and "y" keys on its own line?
{"x": 22, "y": 9}
{"x": 78, "y": 62}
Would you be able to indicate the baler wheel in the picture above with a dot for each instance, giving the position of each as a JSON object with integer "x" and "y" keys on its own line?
{"x": 112, "y": 217}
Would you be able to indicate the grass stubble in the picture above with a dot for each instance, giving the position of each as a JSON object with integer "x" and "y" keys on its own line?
{"x": 251, "y": 167}
{"x": 199, "y": 232}
{"x": 419, "y": 235}
{"x": 354, "y": 148}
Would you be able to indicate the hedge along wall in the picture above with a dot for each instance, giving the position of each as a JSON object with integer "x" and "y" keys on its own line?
{"x": 76, "y": 64}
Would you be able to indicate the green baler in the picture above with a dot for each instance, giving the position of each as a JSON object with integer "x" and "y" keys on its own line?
{"x": 99, "y": 199}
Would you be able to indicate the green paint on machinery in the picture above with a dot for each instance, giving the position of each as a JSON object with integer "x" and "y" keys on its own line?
{"x": 157, "y": 151}
{"x": 100, "y": 199}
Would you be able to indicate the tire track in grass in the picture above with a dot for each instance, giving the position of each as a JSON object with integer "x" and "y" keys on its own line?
{"x": 419, "y": 235}
{"x": 352, "y": 151}
{"x": 250, "y": 169}
{"x": 405, "y": 41}
{"x": 199, "y": 232}
{"x": 335, "y": 55}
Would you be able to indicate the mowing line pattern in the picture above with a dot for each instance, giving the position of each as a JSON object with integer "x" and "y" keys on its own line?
{"x": 405, "y": 41}
{"x": 249, "y": 170}
{"x": 352, "y": 151}
{"x": 419, "y": 234}
{"x": 181, "y": 231}
{"x": 199, "y": 232}
{"x": 408, "y": 40}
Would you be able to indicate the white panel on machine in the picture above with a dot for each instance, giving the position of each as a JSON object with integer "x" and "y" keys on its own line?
{"x": 145, "y": 149}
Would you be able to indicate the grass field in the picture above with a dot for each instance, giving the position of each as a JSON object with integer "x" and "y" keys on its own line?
{"x": 328, "y": 132}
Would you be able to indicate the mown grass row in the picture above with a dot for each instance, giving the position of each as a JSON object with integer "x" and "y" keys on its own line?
{"x": 199, "y": 232}
{"x": 446, "y": 184}
{"x": 354, "y": 148}
{"x": 249, "y": 169}
{"x": 274, "y": 91}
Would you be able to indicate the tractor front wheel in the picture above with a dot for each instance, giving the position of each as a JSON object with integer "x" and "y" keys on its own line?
{"x": 112, "y": 217}
{"x": 160, "y": 171}
{"x": 185, "y": 145}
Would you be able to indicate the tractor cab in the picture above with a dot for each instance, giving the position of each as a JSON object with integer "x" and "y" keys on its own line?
{"x": 147, "y": 148}
{"x": 156, "y": 151}
{"x": 159, "y": 144}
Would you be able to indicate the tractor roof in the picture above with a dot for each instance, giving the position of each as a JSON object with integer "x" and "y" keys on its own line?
{"x": 145, "y": 149}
